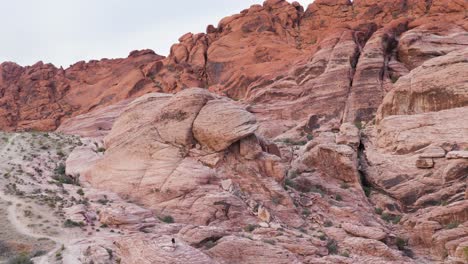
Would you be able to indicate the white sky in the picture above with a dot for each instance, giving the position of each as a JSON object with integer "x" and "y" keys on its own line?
{"x": 67, "y": 31}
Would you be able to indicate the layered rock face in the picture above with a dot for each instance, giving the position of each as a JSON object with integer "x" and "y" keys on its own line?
{"x": 254, "y": 56}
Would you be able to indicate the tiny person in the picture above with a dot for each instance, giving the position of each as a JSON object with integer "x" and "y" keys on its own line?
{"x": 173, "y": 242}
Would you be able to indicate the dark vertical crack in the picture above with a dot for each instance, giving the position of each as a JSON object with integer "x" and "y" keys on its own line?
{"x": 428, "y": 5}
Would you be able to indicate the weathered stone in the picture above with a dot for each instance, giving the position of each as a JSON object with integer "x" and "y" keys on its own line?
{"x": 432, "y": 152}
{"x": 461, "y": 154}
{"x": 364, "y": 231}
{"x": 424, "y": 163}
{"x": 348, "y": 135}
{"x": 221, "y": 123}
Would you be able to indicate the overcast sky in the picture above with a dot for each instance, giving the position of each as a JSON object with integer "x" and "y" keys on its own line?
{"x": 67, "y": 31}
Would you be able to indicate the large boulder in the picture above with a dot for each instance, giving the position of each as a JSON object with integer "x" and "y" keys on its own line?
{"x": 237, "y": 123}
{"x": 335, "y": 161}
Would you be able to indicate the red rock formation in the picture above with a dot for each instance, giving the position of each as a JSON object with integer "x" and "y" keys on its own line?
{"x": 336, "y": 58}
{"x": 41, "y": 96}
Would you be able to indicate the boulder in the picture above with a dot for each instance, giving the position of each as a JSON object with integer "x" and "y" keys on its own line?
{"x": 432, "y": 152}
{"x": 335, "y": 161}
{"x": 423, "y": 163}
{"x": 348, "y": 135}
{"x": 236, "y": 123}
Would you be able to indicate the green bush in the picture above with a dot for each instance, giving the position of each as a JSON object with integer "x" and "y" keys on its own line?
{"x": 338, "y": 197}
{"x": 400, "y": 243}
{"x": 452, "y": 225}
{"x": 328, "y": 223}
{"x": 395, "y": 219}
{"x": 345, "y": 254}
{"x": 269, "y": 241}
{"x": 332, "y": 247}
{"x": 303, "y": 185}
{"x": 167, "y": 219}
{"x": 367, "y": 190}
{"x": 70, "y": 223}
{"x": 101, "y": 149}
{"x": 250, "y": 228}
{"x": 21, "y": 259}
{"x": 344, "y": 185}
{"x": 378, "y": 210}
{"x": 60, "y": 169}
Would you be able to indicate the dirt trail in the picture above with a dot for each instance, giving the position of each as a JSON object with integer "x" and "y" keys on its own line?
{"x": 22, "y": 229}
{"x": 19, "y": 226}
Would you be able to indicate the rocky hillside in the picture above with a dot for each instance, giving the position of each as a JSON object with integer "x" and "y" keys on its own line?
{"x": 331, "y": 134}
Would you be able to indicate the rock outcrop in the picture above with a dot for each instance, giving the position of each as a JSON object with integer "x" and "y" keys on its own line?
{"x": 254, "y": 55}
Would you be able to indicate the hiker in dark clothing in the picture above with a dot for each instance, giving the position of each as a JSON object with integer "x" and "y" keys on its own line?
{"x": 173, "y": 242}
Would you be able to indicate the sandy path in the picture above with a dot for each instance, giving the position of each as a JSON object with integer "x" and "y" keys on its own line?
{"x": 19, "y": 226}
{"x": 24, "y": 230}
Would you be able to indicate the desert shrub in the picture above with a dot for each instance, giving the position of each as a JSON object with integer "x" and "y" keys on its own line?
{"x": 65, "y": 179}
{"x": 300, "y": 142}
{"x": 452, "y": 225}
{"x": 289, "y": 182}
{"x": 338, "y": 197}
{"x": 306, "y": 212}
{"x": 358, "y": 124}
{"x": 303, "y": 185}
{"x": 400, "y": 243}
{"x": 332, "y": 246}
{"x": 269, "y": 241}
{"x": 328, "y": 223}
{"x": 317, "y": 189}
{"x": 395, "y": 219}
{"x": 292, "y": 174}
{"x": 167, "y": 219}
{"x": 60, "y": 169}
{"x": 250, "y": 227}
{"x": 101, "y": 149}
{"x": 378, "y": 210}
{"x": 276, "y": 199}
{"x": 345, "y": 254}
{"x": 80, "y": 192}
{"x": 310, "y": 137}
{"x": 60, "y": 153}
{"x": 38, "y": 253}
{"x": 70, "y": 223}
{"x": 21, "y": 259}
{"x": 344, "y": 185}
{"x": 367, "y": 190}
